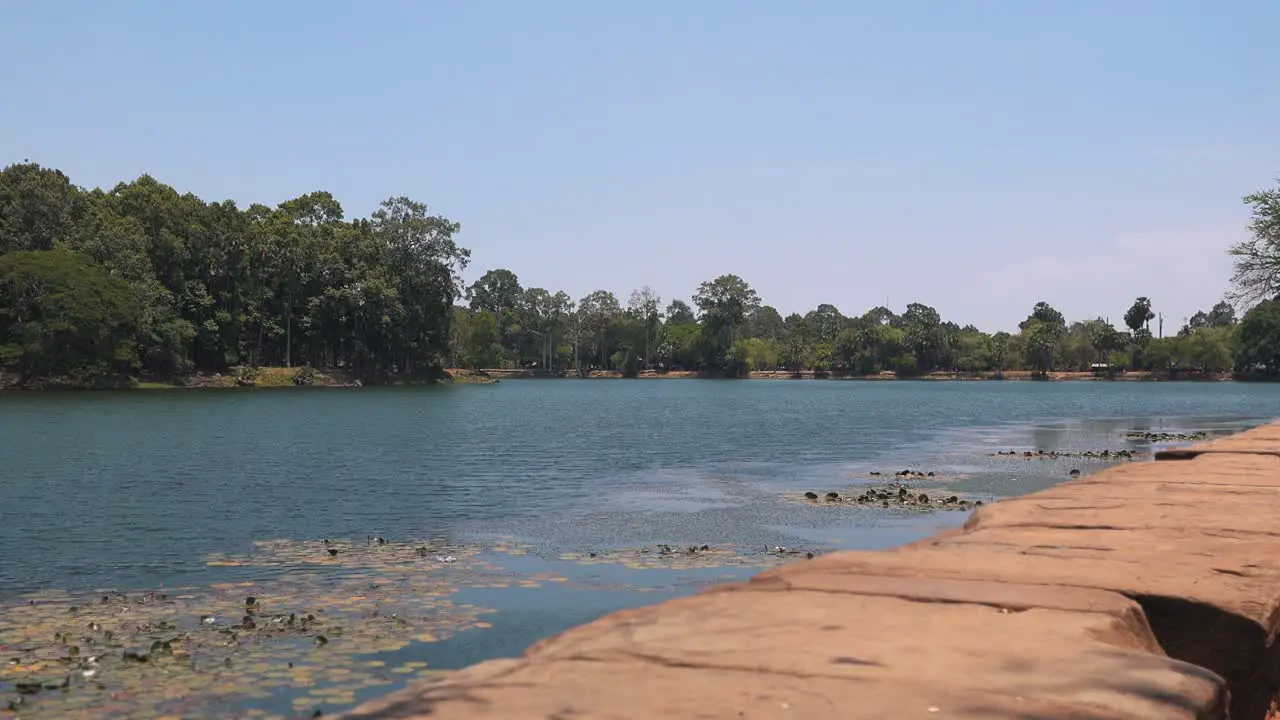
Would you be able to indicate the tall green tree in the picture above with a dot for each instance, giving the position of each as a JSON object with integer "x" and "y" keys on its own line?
{"x": 62, "y": 314}
{"x": 544, "y": 320}
{"x": 765, "y": 322}
{"x": 499, "y": 292}
{"x": 597, "y": 313}
{"x": 798, "y": 345}
{"x": 825, "y": 323}
{"x": 426, "y": 265}
{"x": 1257, "y": 259}
{"x": 880, "y": 315}
{"x": 483, "y": 349}
{"x": 645, "y": 306}
{"x": 998, "y": 347}
{"x": 1139, "y": 315}
{"x": 1211, "y": 349}
{"x": 724, "y": 304}
{"x": 1221, "y": 315}
{"x": 926, "y": 337}
{"x": 1260, "y": 336}
{"x": 39, "y": 208}
{"x": 678, "y": 311}
{"x": 1042, "y": 331}
{"x": 1105, "y": 339}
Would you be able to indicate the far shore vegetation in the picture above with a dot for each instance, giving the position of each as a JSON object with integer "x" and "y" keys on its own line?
{"x": 143, "y": 286}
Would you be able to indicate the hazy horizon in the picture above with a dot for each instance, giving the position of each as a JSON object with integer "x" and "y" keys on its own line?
{"x": 977, "y": 157}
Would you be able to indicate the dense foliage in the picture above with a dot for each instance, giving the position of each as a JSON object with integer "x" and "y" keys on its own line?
{"x": 142, "y": 280}
{"x": 728, "y": 329}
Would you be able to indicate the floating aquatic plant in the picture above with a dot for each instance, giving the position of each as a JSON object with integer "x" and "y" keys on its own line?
{"x": 687, "y": 557}
{"x": 300, "y": 633}
{"x": 202, "y": 651}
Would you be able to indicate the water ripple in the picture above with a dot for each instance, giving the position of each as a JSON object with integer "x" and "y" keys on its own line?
{"x": 134, "y": 489}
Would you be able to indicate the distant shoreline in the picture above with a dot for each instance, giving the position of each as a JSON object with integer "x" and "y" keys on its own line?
{"x": 279, "y": 377}
{"x": 1007, "y": 376}
{"x": 258, "y": 378}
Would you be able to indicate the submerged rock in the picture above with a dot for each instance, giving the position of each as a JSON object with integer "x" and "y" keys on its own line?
{"x": 895, "y": 495}
{"x": 1123, "y": 454}
{"x": 1166, "y": 436}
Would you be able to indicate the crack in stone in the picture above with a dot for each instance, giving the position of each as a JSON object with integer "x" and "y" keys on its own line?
{"x": 1224, "y": 533}
{"x": 788, "y": 586}
{"x": 642, "y": 656}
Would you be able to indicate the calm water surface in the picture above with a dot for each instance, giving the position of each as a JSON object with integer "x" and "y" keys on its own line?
{"x": 142, "y": 490}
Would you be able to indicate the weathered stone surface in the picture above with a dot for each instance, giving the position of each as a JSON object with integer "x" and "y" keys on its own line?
{"x": 1214, "y": 494}
{"x": 1264, "y": 439}
{"x": 1208, "y": 577}
{"x": 1139, "y": 592}
{"x": 1003, "y": 596}
{"x": 568, "y": 690}
{"x": 824, "y": 654}
{"x": 1202, "y": 613}
{"x": 1120, "y": 530}
{"x": 1208, "y": 469}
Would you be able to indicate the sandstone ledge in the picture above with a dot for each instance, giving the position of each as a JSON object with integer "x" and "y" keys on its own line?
{"x": 1144, "y": 591}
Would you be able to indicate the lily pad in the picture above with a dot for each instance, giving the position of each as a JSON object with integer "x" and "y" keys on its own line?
{"x": 206, "y": 651}
{"x": 303, "y": 632}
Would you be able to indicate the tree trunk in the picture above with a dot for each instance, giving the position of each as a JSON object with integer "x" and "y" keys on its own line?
{"x": 646, "y": 342}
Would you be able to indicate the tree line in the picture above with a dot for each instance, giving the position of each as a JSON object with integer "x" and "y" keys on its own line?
{"x": 728, "y": 330}
{"x": 141, "y": 280}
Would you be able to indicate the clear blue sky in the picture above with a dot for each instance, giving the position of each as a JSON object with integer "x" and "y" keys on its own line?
{"x": 976, "y": 156}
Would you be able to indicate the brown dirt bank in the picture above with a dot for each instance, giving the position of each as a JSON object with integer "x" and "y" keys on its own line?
{"x": 284, "y": 377}
{"x": 1010, "y": 375}
{"x": 1149, "y": 590}
{"x": 328, "y": 377}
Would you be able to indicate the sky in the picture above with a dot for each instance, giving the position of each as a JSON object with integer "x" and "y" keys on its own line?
{"x": 978, "y": 156}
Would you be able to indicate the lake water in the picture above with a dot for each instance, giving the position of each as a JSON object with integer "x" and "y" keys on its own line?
{"x": 156, "y": 523}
